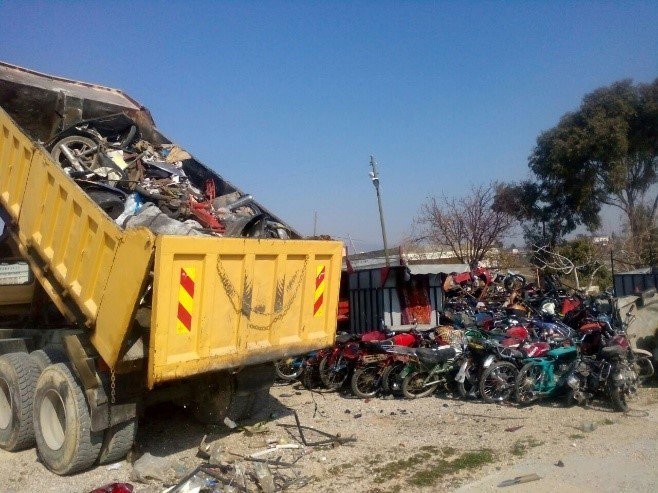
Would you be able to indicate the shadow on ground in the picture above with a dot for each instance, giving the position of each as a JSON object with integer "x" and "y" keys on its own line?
{"x": 167, "y": 428}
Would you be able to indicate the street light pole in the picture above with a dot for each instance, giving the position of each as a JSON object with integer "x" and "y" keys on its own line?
{"x": 374, "y": 176}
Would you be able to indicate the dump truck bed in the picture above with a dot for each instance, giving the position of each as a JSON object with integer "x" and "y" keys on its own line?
{"x": 216, "y": 303}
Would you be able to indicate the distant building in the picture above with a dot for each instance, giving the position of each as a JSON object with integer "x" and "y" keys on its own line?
{"x": 418, "y": 260}
{"x": 601, "y": 240}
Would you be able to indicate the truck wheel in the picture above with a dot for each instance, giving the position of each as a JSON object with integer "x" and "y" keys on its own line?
{"x": 62, "y": 425}
{"x": 118, "y": 441}
{"x": 17, "y": 382}
{"x": 258, "y": 401}
{"x": 49, "y": 355}
{"x": 214, "y": 399}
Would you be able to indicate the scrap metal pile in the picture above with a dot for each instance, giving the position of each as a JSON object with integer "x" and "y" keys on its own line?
{"x": 501, "y": 339}
{"x": 159, "y": 186}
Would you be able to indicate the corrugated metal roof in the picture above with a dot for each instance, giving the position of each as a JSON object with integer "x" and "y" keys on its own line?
{"x": 417, "y": 269}
{"x": 643, "y": 270}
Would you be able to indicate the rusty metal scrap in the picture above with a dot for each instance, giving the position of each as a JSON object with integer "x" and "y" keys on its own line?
{"x": 331, "y": 440}
{"x": 158, "y": 186}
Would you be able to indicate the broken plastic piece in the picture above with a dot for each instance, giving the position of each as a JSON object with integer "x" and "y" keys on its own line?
{"x": 519, "y": 480}
{"x": 264, "y": 476}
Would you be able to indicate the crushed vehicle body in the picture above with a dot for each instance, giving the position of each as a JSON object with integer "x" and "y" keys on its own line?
{"x": 144, "y": 266}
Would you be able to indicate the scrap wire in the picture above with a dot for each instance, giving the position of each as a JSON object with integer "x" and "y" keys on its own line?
{"x": 331, "y": 439}
{"x": 277, "y": 462}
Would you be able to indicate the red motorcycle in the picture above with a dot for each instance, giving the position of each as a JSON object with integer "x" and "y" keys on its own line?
{"x": 337, "y": 366}
{"x": 311, "y": 373}
{"x": 608, "y": 365}
{"x": 377, "y": 370}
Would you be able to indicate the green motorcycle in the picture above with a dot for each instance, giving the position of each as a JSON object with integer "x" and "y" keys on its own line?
{"x": 429, "y": 368}
{"x": 546, "y": 376}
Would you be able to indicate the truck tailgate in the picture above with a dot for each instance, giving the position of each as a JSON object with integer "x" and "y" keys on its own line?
{"x": 220, "y": 304}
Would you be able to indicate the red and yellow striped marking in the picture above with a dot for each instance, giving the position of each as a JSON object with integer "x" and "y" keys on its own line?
{"x": 186, "y": 300}
{"x": 318, "y": 299}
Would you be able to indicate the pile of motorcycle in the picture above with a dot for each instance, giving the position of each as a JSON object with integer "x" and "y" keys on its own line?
{"x": 536, "y": 344}
{"x": 159, "y": 186}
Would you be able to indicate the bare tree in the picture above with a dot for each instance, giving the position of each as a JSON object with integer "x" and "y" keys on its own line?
{"x": 581, "y": 258}
{"x": 468, "y": 226}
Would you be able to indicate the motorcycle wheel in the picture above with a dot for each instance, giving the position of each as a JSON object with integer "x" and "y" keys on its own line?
{"x": 497, "y": 382}
{"x": 413, "y": 388}
{"x": 310, "y": 378}
{"x": 332, "y": 379}
{"x": 391, "y": 383}
{"x": 288, "y": 369}
{"x": 366, "y": 381}
{"x": 618, "y": 398}
{"x": 526, "y": 384}
{"x": 468, "y": 389}
{"x": 78, "y": 145}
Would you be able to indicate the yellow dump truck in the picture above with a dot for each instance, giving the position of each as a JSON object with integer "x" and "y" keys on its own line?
{"x": 108, "y": 319}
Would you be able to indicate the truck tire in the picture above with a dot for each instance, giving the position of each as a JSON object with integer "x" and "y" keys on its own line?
{"x": 117, "y": 442}
{"x": 62, "y": 426}
{"x": 49, "y": 355}
{"x": 258, "y": 401}
{"x": 17, "y": 383}
{"x": 215, "y": 399}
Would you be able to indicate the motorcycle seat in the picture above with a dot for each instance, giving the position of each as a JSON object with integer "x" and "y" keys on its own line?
{"x": 401, "y": 350}
{"x": 611, "y": 352}
{"x": 378, "y": 345}
{"x": 343, "y": 338}
{"x": 435, "y": 356}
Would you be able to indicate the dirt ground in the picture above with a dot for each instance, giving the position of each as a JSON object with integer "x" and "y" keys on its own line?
{"x": 431, "y": 444}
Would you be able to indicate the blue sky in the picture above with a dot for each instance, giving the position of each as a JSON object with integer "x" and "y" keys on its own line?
{"x": 288, "y": 99}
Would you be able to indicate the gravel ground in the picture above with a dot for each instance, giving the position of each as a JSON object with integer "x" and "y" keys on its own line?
{"x": 423, "y": 445}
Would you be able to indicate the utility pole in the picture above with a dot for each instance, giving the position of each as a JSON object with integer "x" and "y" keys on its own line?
{"x": 315, "y": 223}
{"x": 374, "y": 176}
